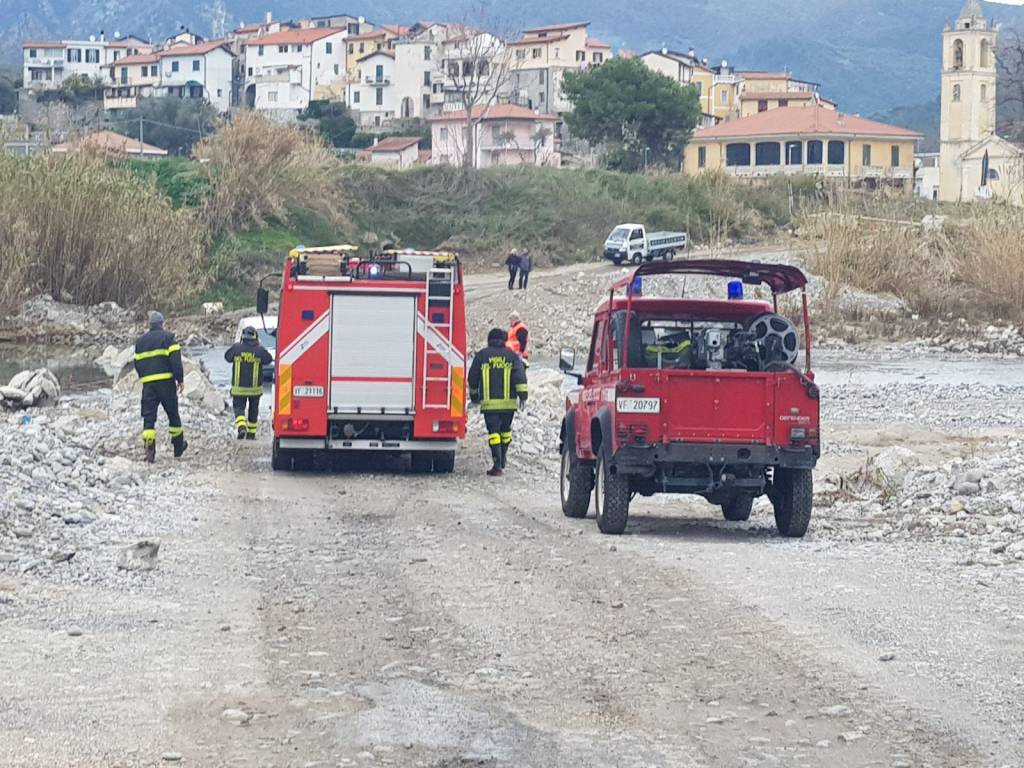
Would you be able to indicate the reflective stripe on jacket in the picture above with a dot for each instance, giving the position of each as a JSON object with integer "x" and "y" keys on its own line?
{"x": 497, "y": 379}
{"x": 158, "y": 357}
{"x": 518, "y": 336}
{"x": 248, "y": 359}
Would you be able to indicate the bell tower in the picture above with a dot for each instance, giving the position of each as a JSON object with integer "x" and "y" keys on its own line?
{"x": 968, "y": 100}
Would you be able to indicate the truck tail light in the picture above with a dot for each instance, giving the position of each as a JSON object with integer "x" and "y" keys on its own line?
{"x": 803, "y": 435}
{"x": 631, "y": 433}
{"x": 298, "y": 425}
{"x": 444, "y": 426}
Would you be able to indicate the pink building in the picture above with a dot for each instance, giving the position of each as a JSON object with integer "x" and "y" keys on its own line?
{"x": 505, "y": 134}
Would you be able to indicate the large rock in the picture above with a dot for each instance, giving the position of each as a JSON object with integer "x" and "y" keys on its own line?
{"x": 197, "y": 387}
{"x": 38, "y": 388}
{"x": 114, "y": 361}
{"x": 141, "y": 556}
{"x": 889, "y": 468}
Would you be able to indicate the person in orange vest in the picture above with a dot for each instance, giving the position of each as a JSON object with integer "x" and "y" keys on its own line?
{"x": 518, "y": 337}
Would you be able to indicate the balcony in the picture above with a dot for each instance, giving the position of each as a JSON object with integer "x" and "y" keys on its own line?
{"x": 385, "y": 80}
{"x": 272, "y": 77}
{"x": 120, "y": 102}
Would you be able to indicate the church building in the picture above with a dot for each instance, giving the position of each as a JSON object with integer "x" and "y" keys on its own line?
{"x": 974, "y": 162}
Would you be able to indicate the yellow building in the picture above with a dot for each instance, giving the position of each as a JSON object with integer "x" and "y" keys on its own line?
{"x": 813, "y": 140}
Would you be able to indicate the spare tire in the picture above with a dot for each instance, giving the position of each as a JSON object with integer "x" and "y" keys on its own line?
{"x": 776, "y": 338}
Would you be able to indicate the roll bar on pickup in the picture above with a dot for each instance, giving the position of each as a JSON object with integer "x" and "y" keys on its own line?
{"x": 780, "y": 278}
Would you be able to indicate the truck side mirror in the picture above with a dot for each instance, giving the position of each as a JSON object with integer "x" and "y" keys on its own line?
{"x": 567, "y": 359}
{"x": 262, "y": 301}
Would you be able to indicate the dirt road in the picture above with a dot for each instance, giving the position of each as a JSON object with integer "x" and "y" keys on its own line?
{"x": 378, "y": 618}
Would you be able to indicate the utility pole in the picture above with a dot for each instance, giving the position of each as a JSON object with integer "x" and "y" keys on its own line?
{"x": 140, "y": 136}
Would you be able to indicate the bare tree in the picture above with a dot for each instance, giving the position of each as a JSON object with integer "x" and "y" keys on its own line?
{"x": 1010, "y": 91}
{"x": 477, "y": 68}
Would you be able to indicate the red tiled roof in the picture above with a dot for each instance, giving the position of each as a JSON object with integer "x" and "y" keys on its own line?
{"x": 593, "y": 42}
{"x": 142, "y": 58}
{"x": 395, "y": 144}
{"x": 192, "y": 50}
{"x": 495, "y": 112}
{"x": 788, "y": 95}
{"x": 786, "y": 121}
{"x": 110, "y": 142}
{"x": 529, "y": 40}
{"x": 296, "y": 36}
{"x": 556, "y": 27}
{"x": 395, "y": 29}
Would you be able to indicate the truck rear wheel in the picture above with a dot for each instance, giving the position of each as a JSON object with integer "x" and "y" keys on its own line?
{"x": 280, "y": 459}
{"x": 422, "y": 462}
{"x": 611, "y": 498}
{"x": 670, "y": 255}
{"x": 444, "y": 462}
{"x": 637, "y": 258}
{"x": 738, "y": 508}
{"x": 577, "y": 484}
{"x": 793, "y": 499}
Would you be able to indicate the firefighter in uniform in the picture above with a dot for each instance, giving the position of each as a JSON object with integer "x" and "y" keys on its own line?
{"x": 158, "y": 364}
{"x": 497, "y": 381}
{"x": 247, "y": 357}
{"x": 518, "y": 337}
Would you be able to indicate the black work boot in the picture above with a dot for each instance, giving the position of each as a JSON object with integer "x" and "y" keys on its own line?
{"x": 180, "y": 444}
{"x": 250, "y": 435}
{"x": 241, "y": 433}
{"x": 495, "y": 471}
{"x": 504, "y": 455}
{"x": 150, "y": 456}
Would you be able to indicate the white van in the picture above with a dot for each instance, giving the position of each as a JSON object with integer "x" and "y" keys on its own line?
{"x": 266, "y": 330}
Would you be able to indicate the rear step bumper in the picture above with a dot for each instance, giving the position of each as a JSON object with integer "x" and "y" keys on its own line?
{"x": 645, "y": 460}
{"x": 393, "y": 446}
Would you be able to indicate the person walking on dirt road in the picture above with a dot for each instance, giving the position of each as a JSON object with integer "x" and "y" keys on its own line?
{"x": 525, "y": 267}
{"x": 247, "y": 358}
{"x": 497, "y": 382}
{"x": 512, "y": 262}
{"x": 158, "y": 365}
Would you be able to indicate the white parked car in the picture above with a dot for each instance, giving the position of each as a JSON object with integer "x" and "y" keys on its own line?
{"x": 266, "y": 329}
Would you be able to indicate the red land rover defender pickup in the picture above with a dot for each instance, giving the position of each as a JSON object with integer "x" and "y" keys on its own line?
{"x": 699, "y": 396}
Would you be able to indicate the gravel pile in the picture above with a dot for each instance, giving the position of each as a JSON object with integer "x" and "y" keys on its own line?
{"x": 43, "y": 316}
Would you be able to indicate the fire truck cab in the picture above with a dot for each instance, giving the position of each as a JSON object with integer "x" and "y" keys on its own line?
{"x": 371, "y": 356}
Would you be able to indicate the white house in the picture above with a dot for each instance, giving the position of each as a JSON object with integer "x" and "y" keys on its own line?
{"x": 396, "y": 152}
{"x": 373, "y": 97}
{"x": 418, "y": 72}
{"x": 286, "y": 70}
{"x": 46, "y": 64}
{"x": 202, "y": 71}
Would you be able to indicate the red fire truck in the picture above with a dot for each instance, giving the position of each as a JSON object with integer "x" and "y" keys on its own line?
{"x": 371, "y": 356}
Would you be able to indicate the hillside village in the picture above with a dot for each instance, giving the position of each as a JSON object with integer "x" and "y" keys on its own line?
{"x": 422, "y": 79}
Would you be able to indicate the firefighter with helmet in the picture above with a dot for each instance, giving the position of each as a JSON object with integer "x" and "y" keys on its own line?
{"x": 158, "y": 365}
{"x": 247, "y": 358}
{"x": 497, "y": 382}
{"x": 518, "y": 337}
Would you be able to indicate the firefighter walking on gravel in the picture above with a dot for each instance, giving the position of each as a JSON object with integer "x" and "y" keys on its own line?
{"x": 248, "y": 358}
{"x": 158, "y": 365}
{"x": 497, "y": 382}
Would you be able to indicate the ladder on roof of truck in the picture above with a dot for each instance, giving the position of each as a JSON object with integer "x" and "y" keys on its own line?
{"x": 440, "y": 295}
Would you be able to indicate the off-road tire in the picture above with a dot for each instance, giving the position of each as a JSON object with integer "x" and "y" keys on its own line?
{"x": 576, "y": 486}
{"x": 304, "y": 461}
{"x": 617, "y": 261}
{"x": 670, "y": 255}
{"x": 280, "y": 459}
{"x": 636, "y": 258}
{"x": 422, "y": 462}
{"x": 444, "y": 462}
{"x": 793, "y": 499}
{"x": 611, "y": 499}
{"x": 738, "y": 508}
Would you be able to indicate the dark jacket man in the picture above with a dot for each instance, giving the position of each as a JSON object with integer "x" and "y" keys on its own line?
{"x": 158, "y": 364}
{"x": 497, "y": 381}
{"x": 248, "y": 358}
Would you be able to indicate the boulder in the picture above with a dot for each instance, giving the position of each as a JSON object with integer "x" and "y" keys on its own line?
{"x": 213, "y": 307}
{"x": 141, "y": 556}
{"x": 31, "y": 388}
{"x": 197, "y": 387}
{"x": 889, "y": 468}
{"x": 114, "y": 361}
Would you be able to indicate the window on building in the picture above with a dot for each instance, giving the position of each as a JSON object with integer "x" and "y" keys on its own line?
{"x": 956, "y": 93}
{"x": 836, "y": 153}
{"x": 542, "y": 77}
{"x": 700, "y": 88}
{"x": 767, "y": 153}
{"x": 762, "y": 105}
{"x": 124, "y": 75}
{"x": 259, "y": 50}
{"x": 337, "y": 69}
{"x": 378, "y": 74}
{"x": 298, "y": 49}
{"x": 958, "y": 54}
{"x": 250, "y": 71}
{"x": 581, "y": 55}
{"x": 329, "y": 47}
{"x": 32, "y": 53}
{"x": 536, "y": 53}
{"x": 814, "y": 152}
{"x": 443, "y": 134}
{"x": 351, "y": 48}
{"x": 993, "y": 174}
{"x": 117, "y": 55}
{"x": 175, "y": 66}
{"x": 540, "y": 97}
{"x": 794, "y": 153}
{"x": 483, "y": 68}
{"x": 426, "y": 79}
{"x": 195, "y": 65}
{"x": 75, "y": 55}
{"x": 355, "y": 97}
{"x": 496, "y": 133}
{"x": 865, "y": 155}
{"x": 272, "y": 97}
{"x": 428, "y": 52}
{"x": 725, "y": 97}
{"x": 894, "y": 156}
{"x": 380, "y": 96}
{"x": 362, "y": 47}
{"x": 353, "y": 28}
{"x": 986, "y": 54}
{"x": 737, "y": 154}
{"x": 702, "y": 157}
{"x": 92, "y": 56}
{"x": 598, "y": 57}
{"x": 376, "y": 121}
{"x": 220, "y": 93}
{"x": 783, "y": 102}
{"x": 282, "y": 49}
{"x": 195, "y": 91}
{"x": 984, "y": 92}
{"x": 426, "y": 102}
{"x": 520, "y": 53}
